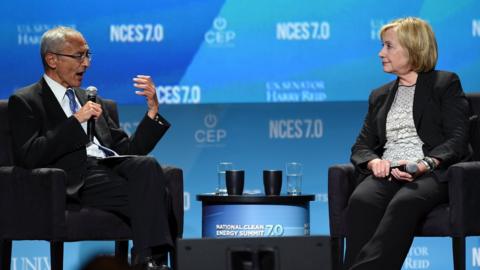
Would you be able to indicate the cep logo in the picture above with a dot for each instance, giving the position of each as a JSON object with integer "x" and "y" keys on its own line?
{"x": 210, "y": 120}
{"x": 219, "y": 35}
{"x": 211, "y": 135}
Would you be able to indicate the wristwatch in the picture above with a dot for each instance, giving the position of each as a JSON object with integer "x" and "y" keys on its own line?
{"x": 425, "y": 163}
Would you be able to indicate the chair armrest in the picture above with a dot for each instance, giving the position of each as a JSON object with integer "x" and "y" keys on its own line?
{"x": 174, "y": 178}
{"x": 32, "y": 203}
{"x": 463, "y": 188}
{"x": 341, "y": 183}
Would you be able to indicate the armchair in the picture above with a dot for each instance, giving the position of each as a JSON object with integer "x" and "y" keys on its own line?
{"x": 456, "y": 219}
{"x": 27, "y": 218}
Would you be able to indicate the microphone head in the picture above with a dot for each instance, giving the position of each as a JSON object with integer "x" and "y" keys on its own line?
{"x": 92, "y": 90}
{"x": 91, "y": 93}
{"x": 411, "y": 167}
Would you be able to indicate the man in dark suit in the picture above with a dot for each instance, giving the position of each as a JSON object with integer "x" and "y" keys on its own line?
{"x": 49, "y": 120}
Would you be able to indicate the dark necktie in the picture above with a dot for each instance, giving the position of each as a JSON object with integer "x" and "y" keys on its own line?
{"x": 74, "y": 107}
{"x": 71, "y": 98}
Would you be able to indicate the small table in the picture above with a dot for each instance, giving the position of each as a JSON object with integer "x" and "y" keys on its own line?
{"x": 255, "y": 215}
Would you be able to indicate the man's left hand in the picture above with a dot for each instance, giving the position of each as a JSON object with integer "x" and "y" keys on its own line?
{"x": 149, "y": 91}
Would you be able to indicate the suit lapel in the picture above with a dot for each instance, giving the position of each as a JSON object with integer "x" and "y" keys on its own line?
{"x": 383, "y": 112}
{"x": 81, "y": 95}
{"x": 421, "y": 97}
{"x": 53, "y": 110}
{"x": 101, "y": 127}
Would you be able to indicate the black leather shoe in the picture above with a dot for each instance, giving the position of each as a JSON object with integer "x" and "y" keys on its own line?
{"x": 151, "y": 264}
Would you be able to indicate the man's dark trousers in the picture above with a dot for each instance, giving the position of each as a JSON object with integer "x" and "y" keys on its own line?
{"x": 135, "y": 189}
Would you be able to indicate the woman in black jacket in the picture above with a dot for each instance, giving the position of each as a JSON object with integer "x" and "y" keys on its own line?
{"x": 415, "y": 128}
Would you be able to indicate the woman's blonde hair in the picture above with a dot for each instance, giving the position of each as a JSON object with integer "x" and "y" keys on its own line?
{"x": 417, "y": 37}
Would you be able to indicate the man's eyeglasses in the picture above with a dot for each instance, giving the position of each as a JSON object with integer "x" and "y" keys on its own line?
{"x": 79, "y": 57}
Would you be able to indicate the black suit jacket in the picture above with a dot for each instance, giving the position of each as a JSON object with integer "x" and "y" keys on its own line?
{"x": 440, "y": 114}
{"x": 43, "y": 136}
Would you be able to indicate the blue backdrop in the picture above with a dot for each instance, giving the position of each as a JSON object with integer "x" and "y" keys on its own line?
{"x": 257, "y": 83}
{"x": 235, "y": 51}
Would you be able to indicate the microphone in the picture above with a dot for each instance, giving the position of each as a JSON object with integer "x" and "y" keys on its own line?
{"x": 410, "y": 167}
{"x": 91, "y": 96}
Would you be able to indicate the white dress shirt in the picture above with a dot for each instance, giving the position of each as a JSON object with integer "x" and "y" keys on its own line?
{"x": 59, "y": 91}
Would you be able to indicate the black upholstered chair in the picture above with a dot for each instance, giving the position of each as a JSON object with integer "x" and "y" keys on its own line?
{"x": 457, "y": 219}
{"x": 25, "y": 217}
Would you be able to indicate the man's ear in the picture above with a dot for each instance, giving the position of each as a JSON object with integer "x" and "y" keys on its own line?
{"x": 51, "y": 60}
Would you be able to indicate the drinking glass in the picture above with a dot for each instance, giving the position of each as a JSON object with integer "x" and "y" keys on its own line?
{"x": 221, "y": 185}
{"x": 294, "y": 173}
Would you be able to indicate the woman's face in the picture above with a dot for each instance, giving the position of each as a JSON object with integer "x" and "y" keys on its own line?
{"x": 394, "y": 56}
